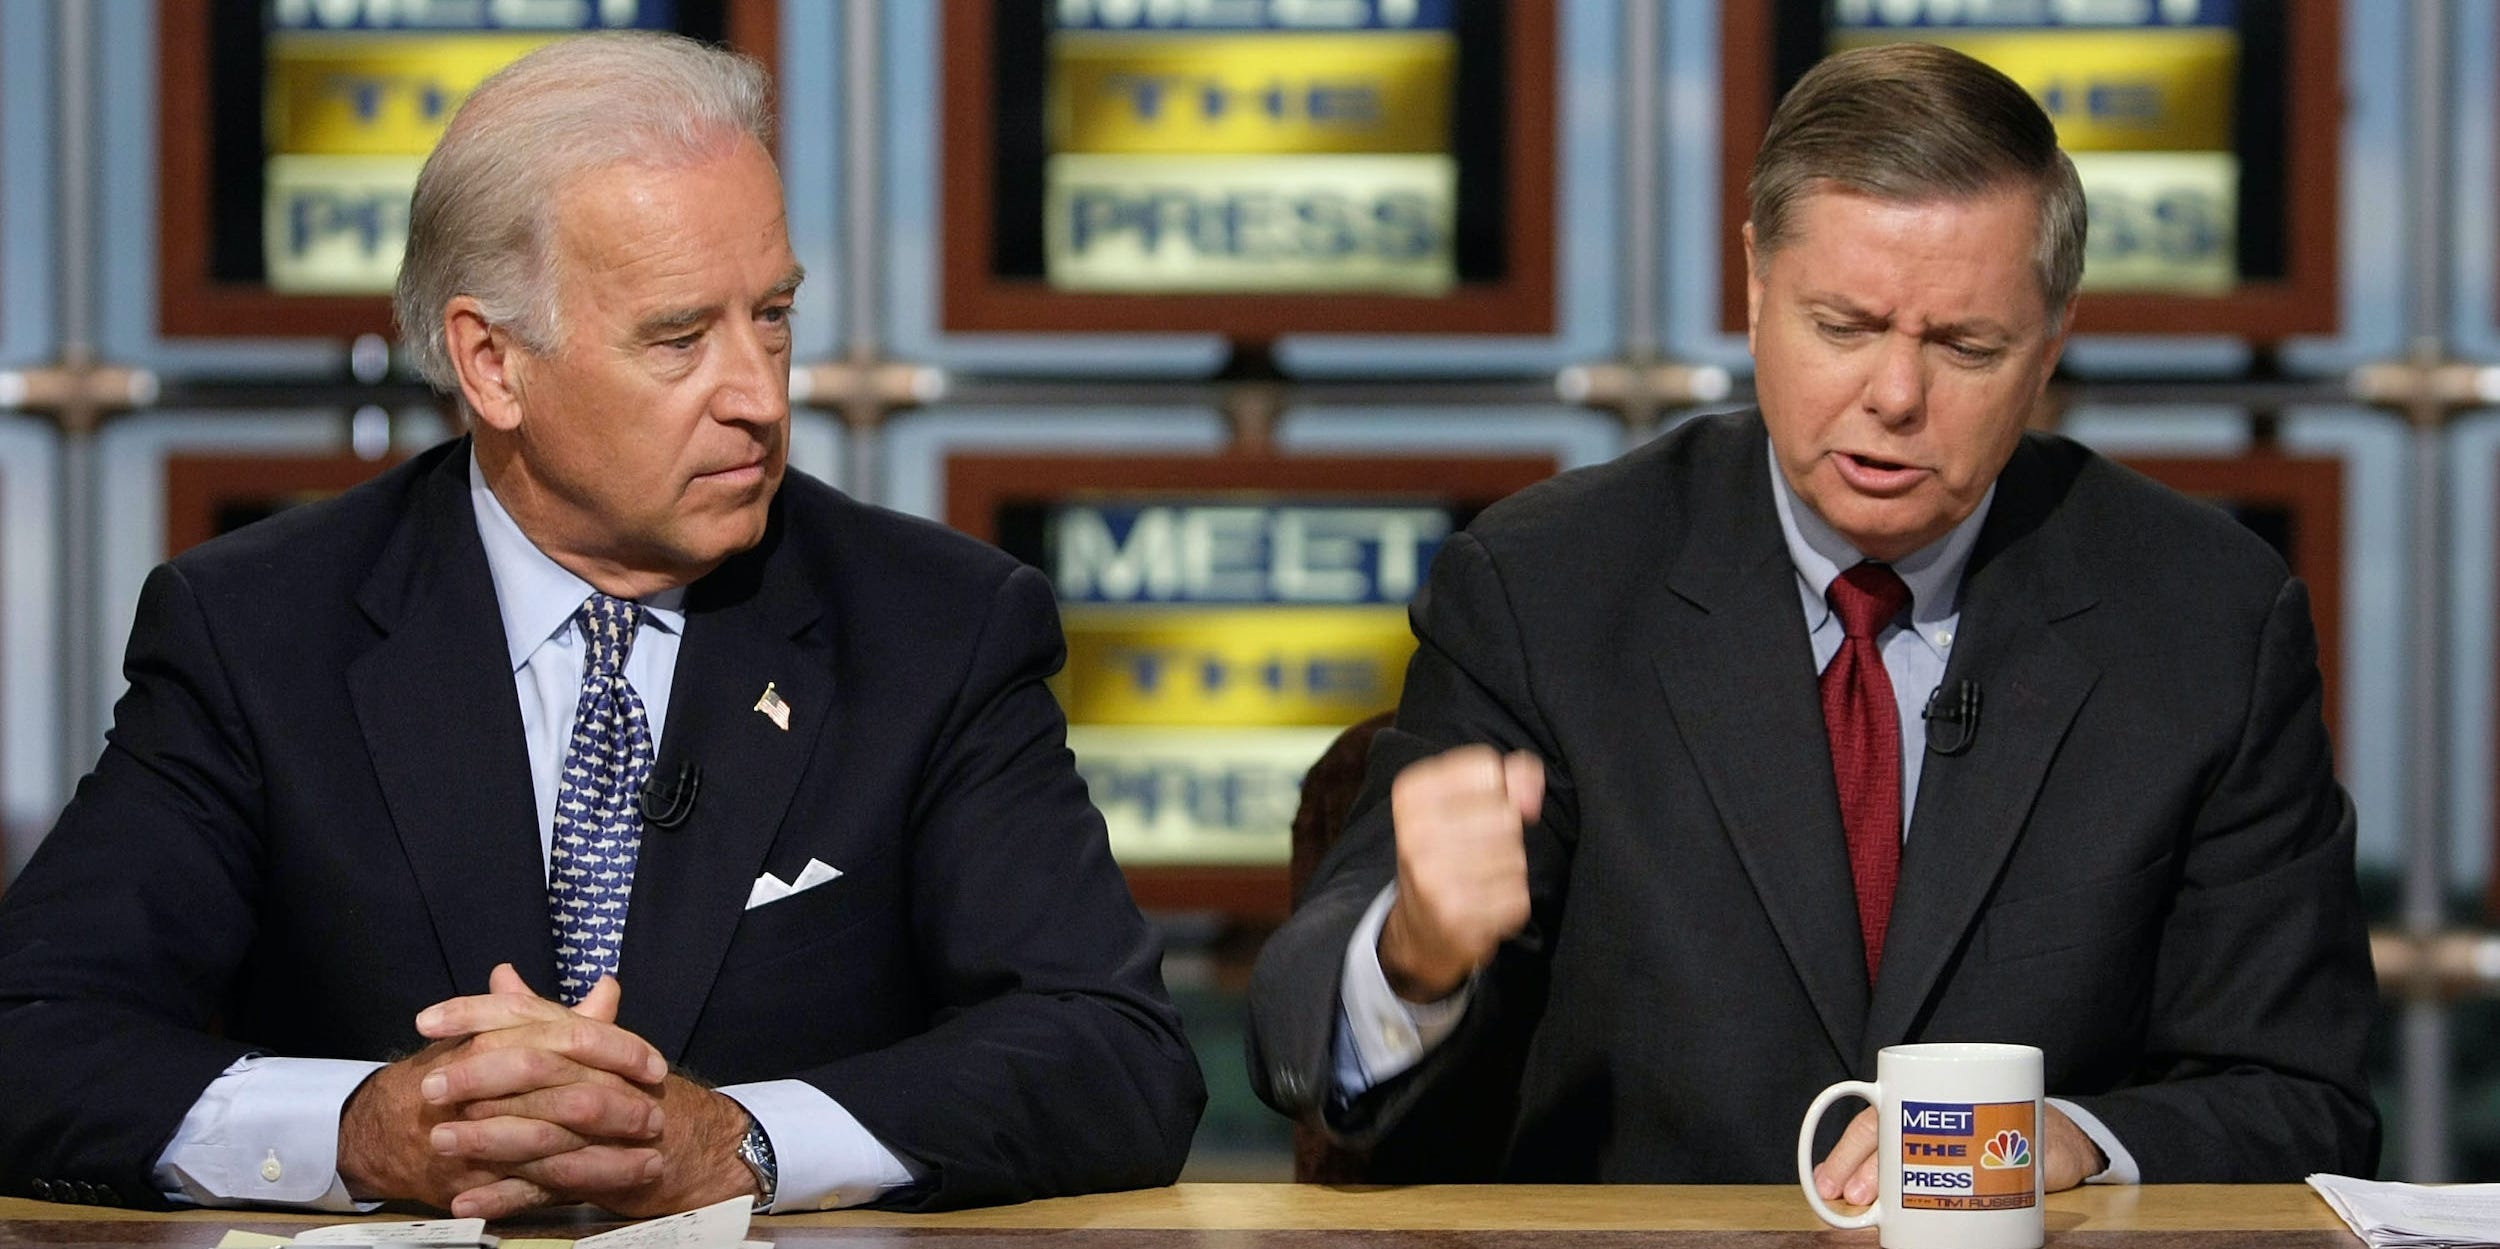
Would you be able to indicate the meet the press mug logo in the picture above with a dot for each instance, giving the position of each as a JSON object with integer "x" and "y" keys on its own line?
{"x": 1968, "y": 1155}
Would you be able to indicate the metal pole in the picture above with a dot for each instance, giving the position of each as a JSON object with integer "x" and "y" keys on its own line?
{"x": 74, "y": 161}
{"x": 1641, "y": 216}
{"x": 2424, "y": 1028}
{"x": 863, "y": 259}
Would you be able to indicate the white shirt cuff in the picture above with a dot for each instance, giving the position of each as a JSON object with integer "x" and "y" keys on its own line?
{"x": 265, "y": 1132}
{"x": 824, "y": 1157}
{"x": 1381, "y": 1035}
{"x": 2122, "y": 1169}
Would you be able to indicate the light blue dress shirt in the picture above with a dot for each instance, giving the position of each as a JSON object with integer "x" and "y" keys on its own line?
{"x": 266, "y": 1131}
{"x": 1380, "y": 1035}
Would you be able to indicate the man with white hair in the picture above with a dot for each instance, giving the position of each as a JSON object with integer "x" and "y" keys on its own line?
{"x": 454, "y": 833}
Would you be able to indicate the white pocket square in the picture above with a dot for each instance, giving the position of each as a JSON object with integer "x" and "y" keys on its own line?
{"x": 771, "y": 888}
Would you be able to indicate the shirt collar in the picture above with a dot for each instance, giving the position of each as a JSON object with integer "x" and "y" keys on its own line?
{"x": 1933, "y": 572}
{"x": 537, "y": 595}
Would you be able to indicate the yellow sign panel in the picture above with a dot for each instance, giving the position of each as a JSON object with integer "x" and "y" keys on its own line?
{"x": 1196, "y": 795}
{"x": 1232, "y": 666}
{"x": 377, "y": 95}
{"x": 2112, "y": 90}
{"x": 1252, "y": 223}
{"x": 1377, "y": 91}
{"x": 336, "y": 225}
{"x": 2161, "y": 221}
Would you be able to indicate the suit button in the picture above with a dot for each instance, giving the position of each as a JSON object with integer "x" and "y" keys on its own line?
{"x": 1289, "y": 1083}
{"x": 43, "y": 1190}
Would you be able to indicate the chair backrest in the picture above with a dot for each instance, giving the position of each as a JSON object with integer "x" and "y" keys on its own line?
{"x": 1328, "y": 792}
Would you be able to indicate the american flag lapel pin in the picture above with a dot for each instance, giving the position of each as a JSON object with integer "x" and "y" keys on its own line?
{"x": 774, "y": 708}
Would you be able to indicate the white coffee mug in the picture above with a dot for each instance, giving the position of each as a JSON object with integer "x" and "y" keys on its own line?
{"x": 1957, "y": 1165}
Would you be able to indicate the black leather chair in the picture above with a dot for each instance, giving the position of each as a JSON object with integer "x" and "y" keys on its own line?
{"x": 1328, "y": 792}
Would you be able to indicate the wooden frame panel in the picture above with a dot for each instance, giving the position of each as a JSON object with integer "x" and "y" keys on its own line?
{"x": 192, "y": 303}
{"x": 198, "y": 486}
{"x": 2307, "y": 300}
{"x": 979, "y": 485}
{"x": 972, "y": 299}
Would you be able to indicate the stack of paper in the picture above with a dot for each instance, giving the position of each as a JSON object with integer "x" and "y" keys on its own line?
{"x": 719, "y": 1226}
{"x": 2412, "y": 1215}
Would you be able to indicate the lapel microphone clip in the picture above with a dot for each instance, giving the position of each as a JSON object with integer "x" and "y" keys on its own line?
{"x": 666, "y": 805}
{"x": 1952, "y": 726}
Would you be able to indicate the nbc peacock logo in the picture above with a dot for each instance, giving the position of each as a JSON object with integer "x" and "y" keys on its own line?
{"x": 2006, "y": 1151}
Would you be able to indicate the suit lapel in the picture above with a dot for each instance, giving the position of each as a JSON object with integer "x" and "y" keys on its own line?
{"x": 443, "y": 727}
{"x": 749, "y": 624}
{"x": 1738, "y": 672}
{"x": 1971, "y": 807}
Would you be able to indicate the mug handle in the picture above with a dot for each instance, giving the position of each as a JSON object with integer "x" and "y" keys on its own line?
{"x": 1805, "y": 1153}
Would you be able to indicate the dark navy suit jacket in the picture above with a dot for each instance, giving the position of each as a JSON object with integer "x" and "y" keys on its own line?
{"x": 313, "y": 818}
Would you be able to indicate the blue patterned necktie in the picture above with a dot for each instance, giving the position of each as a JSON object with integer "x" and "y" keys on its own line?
{"x": 598, "y": 829}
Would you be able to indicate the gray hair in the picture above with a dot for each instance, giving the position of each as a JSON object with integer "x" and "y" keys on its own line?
{"x": 482, "y": 222}
{"x": 1910, "y": 123}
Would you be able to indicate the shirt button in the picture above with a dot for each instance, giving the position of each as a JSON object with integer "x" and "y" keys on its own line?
{"x": 1944, "y": 637}
{"x": 270, "y": 1168}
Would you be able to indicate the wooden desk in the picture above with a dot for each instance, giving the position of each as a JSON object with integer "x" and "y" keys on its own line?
{"x": 1289, "y": 1216}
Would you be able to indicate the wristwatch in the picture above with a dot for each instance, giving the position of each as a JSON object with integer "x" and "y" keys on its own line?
{"x": 757, "y": 1152}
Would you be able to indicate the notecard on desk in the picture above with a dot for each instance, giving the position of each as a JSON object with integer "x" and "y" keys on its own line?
{"x": 2414, "y": 1216}
{"x": 721, "y": 1225}
{"x": 425, "y": 1234}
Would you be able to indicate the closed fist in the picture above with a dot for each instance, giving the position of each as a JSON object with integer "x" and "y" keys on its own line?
{"x": 1461, "y": 819}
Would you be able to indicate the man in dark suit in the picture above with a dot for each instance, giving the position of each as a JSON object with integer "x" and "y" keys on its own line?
{"x": 1631, "y": 879}
{"x": 455, "y": 834}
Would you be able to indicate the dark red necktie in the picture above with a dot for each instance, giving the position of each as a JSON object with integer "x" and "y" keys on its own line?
{"x": 1865, "y": 728}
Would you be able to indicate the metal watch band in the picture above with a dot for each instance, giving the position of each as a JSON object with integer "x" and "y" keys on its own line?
{"x": 757, "y": 1152}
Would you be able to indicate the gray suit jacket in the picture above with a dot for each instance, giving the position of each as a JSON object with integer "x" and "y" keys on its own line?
{"x": 2143, "y": 864}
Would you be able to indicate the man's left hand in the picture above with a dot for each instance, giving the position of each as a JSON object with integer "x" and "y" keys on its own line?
{"x": 1848, "y": 1172}
{"x": 699, "y": 1129}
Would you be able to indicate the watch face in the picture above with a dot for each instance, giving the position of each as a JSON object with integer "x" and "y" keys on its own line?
{"x": 756, "y": 1151}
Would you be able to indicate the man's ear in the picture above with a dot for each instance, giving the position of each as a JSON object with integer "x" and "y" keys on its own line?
{"x": 1753, "y": 287}
{"x": 488, "y": 361}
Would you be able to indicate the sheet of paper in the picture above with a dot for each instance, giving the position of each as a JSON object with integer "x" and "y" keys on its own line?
{"x": 2390, "y": 1215}
{"x": 721, "y": 1225}
{"x": 236, "y": 1238}
{"x": 423, "y": 1232}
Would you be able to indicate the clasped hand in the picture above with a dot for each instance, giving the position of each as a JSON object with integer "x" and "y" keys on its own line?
{"x": 521, "y": 1102}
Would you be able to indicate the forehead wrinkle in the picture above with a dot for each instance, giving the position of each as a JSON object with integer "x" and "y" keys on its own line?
{"x": 1975, "y": 327}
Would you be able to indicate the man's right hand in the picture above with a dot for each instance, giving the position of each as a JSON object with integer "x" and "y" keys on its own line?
{"x": 1461, "y": 819}
{"x": 403, "y": 1136}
